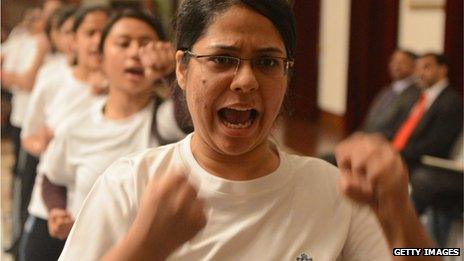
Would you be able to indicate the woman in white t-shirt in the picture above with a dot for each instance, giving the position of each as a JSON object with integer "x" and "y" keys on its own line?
{"x": 228, "y": 193}
{"x": 123, "y": 123}
{"x": 33, "y": 136}
{"x": 60, "y": 98}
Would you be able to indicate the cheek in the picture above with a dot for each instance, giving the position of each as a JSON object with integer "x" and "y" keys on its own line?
{"x": 273, "y": 100}
{"x": 200, "y": 98}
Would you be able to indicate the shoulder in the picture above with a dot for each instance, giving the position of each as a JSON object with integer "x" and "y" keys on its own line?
{"x": 450, "y": 94}
{"x": 314, "y": 167}
{"x": 449, "y": 100}
{"x": 139, "y": 168}
{"x": 316, "y": 174}
{"x": 73, "y": 123}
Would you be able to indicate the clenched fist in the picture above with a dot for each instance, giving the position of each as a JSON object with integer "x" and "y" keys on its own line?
{"x": 158, "y": 59}
{"x": 372, "y": 172}
{"x": 169, "y": 215}
{"x": 60, "y": 223}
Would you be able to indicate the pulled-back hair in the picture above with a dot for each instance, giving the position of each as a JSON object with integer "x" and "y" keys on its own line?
{"x": 64, "y": 13}
{"x": 145, "y": 17}
{"x": 194, "y": 17}
{"x": 82, "y": 12}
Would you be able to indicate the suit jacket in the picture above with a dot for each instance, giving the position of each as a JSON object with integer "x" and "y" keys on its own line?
{"x": 387, "y": 109}
{"x": 437, "y": 130}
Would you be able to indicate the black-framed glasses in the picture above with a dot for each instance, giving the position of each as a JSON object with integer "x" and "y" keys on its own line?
{"x": 270, "y": 66}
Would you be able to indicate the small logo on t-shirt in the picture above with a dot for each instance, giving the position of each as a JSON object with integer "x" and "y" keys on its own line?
{"x": 304, "y": 257}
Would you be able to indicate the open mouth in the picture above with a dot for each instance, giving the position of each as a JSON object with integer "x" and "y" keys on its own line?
{"x": 238, "y": 118}
{"x": 135, "y": 71}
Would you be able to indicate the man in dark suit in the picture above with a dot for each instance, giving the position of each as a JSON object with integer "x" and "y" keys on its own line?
{"x": 441, "y": 121}
{"x": 399, "y": 95}
{"x": 393, "y": 100}
{"x": 434, "y": 134}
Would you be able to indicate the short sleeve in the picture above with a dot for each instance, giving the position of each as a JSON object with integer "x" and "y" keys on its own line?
{"x": 106, "y": 215}
{"x": 166, "y": 122}
{"x": 35, "y": 114}
{"x": 366, "y": 240}
{"x": 55, "y": 162}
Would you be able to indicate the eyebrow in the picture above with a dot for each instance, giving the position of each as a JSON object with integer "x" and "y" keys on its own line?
{"x": 142, "y": 37}
{"x": 259, "y": 50}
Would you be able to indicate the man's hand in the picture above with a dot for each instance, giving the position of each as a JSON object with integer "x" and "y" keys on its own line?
{"x": 60, "y": 223}
{"x": 170, "y": 214}
{"x": 159, "y": 60}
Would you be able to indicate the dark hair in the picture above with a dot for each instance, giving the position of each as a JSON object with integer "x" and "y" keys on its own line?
{"x": 82, "y": 12}
{"x": 64, "y": 14}
{"x": 145, "y": 17}
{"x": 413, "y": 56}
{"x": 440, "y": 59}
{"x": 49, "y": 25}
{"x": 194, "y": 16}
{"x": 58, "y": 17}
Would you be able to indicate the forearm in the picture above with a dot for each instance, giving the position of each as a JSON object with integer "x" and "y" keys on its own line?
{"x": 54, "y": 196}
{"x": 403, "y": 229}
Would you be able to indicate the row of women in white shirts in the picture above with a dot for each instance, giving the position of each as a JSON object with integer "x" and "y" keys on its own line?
{"x": 88, "y": 130}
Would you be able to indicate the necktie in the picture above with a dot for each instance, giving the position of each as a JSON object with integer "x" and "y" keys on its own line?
{"x": 404, "y": 132}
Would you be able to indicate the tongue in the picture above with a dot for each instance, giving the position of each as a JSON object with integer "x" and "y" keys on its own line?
{"x": 236, "y": 117}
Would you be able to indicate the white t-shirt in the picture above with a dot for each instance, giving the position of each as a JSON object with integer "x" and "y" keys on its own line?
{"x": 166, "y": 122}
{"x": 18, "y": 59}
{"x": 90, "y": 143}
{"x": 50, "y": 80}
{"x": 73, "y": 99}
{"x": 293, "y": 211}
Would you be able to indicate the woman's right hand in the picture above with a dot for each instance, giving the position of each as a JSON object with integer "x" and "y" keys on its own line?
{"x": 169, "y": 215}
{"x": 59, "y": 223}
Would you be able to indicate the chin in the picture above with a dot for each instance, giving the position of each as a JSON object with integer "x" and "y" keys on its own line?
{"x": 236, "y": 147}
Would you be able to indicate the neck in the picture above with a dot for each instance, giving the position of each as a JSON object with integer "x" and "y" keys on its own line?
{"x": 120, "y": 105}
{"x": 81, "y": 73}
{"x": 256, "y": 163}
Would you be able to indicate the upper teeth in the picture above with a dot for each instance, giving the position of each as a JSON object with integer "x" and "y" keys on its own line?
{"x": 240, "y": 109}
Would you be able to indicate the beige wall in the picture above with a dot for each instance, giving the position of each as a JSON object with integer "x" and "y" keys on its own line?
{"x": 421, "y": 30}
{"x": 333, "y": 55}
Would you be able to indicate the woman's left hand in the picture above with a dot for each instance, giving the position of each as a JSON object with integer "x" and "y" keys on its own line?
{"x": 373, "y": 173}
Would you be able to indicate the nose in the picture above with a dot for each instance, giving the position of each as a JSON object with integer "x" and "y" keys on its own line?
{"x": 96, "y": 40}
{"x": 244, "y": 80}
{"x": 133, "y": 50}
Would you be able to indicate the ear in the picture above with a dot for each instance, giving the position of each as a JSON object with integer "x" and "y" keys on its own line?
{"x": 181, "y": 70}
